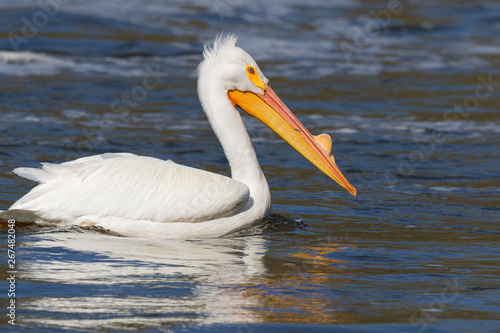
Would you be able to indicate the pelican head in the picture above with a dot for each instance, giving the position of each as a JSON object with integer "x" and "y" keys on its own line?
{"x": 234, "y": 72}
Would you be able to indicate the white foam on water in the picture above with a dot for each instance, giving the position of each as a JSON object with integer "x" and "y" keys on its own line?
{"x": 443, "y": 189}
{"x": 346, "y": 130}
{"x": 26, "y": 63}
{"x": 75, "y": 114}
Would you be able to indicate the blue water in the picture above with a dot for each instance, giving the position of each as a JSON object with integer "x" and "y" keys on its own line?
{"x": 410, "y": 98}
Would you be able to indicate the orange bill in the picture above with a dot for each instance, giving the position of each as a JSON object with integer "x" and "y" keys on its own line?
{"x": 269, "y": 109}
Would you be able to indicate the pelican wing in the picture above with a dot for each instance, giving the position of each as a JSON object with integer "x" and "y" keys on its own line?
{"x": 132, "y": 187}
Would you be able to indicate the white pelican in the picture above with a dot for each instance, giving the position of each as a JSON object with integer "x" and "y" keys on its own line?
{"x": 148, "y": 197}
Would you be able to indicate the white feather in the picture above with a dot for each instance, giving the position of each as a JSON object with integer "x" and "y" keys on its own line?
{"x": 132, "y": 187}
{"x": 144, "y": 196}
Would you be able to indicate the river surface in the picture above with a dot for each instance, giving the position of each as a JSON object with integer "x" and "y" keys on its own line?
{"x": 410, "y": 95}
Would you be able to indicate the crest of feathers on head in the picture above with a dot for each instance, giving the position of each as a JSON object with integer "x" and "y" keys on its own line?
{"x": 222, "y": 48}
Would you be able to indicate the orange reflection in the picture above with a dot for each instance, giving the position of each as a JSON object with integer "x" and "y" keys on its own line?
{"x": 296, "y": 294}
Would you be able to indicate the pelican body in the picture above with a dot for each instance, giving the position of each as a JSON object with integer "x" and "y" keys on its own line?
{"x": 149, "y": 197}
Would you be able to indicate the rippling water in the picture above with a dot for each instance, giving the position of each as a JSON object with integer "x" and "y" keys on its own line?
{"x": 410, "y": 95}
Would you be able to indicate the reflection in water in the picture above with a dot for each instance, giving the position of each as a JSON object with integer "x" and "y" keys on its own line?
{"x": 90, "y": 280}
{"x": 294, "y": 295}
{"x": 127, "y": 282}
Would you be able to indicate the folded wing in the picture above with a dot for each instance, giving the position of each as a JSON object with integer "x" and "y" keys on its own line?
{"x": 132, "y": 187}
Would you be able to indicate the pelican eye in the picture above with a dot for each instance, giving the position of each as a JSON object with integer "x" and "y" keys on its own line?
{"x": 255, "y": 78}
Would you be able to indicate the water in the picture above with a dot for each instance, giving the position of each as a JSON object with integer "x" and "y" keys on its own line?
{"x": 415, "y": 251}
